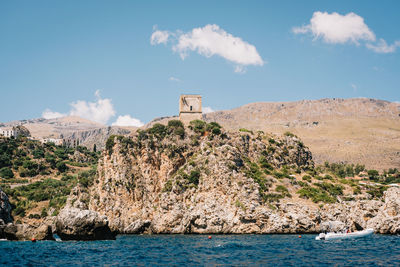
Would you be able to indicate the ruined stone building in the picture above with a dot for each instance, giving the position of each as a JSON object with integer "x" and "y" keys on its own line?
{"x": 190, "y": 108}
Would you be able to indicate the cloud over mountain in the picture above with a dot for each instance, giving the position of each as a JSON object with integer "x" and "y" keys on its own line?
{"x": 101, "y": 111}
{"x": 127, "y": 120}
{"x": 209, "y": 41}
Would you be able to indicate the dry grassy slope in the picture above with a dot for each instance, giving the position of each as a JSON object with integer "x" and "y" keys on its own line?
{"x": 356, "y": 130}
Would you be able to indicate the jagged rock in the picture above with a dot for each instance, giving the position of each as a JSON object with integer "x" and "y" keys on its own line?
{"x": 5, "y": 209}
{"x": 334, "y": 226}
{"x": 137, "y": 227}
{"x": 387, "y": 220}
{"x": 28, "y": 232}
{"x": 77, "y": 224}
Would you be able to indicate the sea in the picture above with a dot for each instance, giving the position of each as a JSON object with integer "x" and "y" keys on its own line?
{"x": 199, "y": 250}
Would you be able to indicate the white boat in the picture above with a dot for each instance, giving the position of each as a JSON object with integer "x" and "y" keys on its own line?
{"x": 332, "y": 236}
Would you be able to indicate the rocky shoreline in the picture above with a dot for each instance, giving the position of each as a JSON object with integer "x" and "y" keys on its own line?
{"x": 161, "y": 181}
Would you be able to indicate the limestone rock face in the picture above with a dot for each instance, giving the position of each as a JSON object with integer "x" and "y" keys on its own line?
{"x": 5, "y": 209}
{"x": 77, "y": 224}
{"x": 207, "y": 184}
{"x": 23, "y": 232}
{"x": 387, "y": 220}
{"x": 182, "y": 185}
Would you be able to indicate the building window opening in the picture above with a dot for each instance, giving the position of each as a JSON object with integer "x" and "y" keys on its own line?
{"x": 191, "y": 108}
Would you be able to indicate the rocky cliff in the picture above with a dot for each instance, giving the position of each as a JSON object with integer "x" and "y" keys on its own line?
{"x": 204, "y": 180}
{"x": 5, "y": 209}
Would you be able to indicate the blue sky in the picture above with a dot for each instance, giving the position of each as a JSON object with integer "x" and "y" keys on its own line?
{"x": 56, "y": 53}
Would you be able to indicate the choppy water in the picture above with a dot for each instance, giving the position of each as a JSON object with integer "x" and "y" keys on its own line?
{"x": 259, "y": 250}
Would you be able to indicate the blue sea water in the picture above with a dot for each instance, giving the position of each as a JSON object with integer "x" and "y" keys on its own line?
{"x": 198, "y": 250}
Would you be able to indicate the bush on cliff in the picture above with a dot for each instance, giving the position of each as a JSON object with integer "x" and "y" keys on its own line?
{"x": 158, "y": 130}
{"x": 6, "y": 172}
{"x": 316, "y": 195}
{"x": 110, "y": 144}
{"x": 176, "y": 127}
{"x": 198, "y": 126}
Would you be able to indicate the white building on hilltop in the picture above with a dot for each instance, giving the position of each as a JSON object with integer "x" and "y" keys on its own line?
{"x": 8, "y": 132}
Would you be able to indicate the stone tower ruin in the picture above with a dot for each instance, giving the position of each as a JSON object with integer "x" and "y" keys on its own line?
{"x": 190, "y": 108}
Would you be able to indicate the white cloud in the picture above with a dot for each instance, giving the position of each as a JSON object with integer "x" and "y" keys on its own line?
{"x": 127, "y": 120}
{"x": 336, "y": 28}
{"x": 207, "y": 110}
{"x": 100, "y": 111}
{"x": 383, "y": 47}
{"x": 174, "y": 79}
{"x": 339, "y": 29}
{"x": 48, "y": 114}
{"x": 211, "y": 40}
{"x": 159, "y": 37}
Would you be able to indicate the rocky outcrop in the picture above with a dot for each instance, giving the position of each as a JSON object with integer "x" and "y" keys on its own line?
{"x": 196, "y": 184}
{"x": 23, "y": 232}
{"x": 209, "y": 184}
{"x": 76, "y": 222}
{"x": 5, "y": 209}
{"x": 387, "y": 219}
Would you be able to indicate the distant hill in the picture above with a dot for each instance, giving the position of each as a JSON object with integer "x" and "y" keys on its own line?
{"x": 72, "y": 128}
{"x": 357, "y": 130}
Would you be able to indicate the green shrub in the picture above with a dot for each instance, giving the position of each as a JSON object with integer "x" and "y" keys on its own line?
{"x": 376, "y": 191}
{"x": 168, "y": 186}
{"x": 373, "y": 175}
{"x": 175, "y": 124}
{"x": 34, "y": 216}
{"x": 212, "y": 125}
{"x": 356, "y": 190}
{"x": 61, "y": 166}
{"x": 265, "y": 164}
{"x": 216, "y": 131}
{"x": 158, "y": 130}
{"x": 280, "y": 175}
{"x": 176, "y": 127}
{"x": 194, "y": 177}
{"x": 307, "y": 178}
{"x": 43, "y": 214}
{"x": 51, "y": 160}
{"x": 110, "y": 144}
{"x": 271, "y": 149}
{"x": 198, "y": 126}
{"x": 6, "y": 172}
{"x": 38, "y": 153}
{"x": 86, "y": 178}
{"x": 333, "y": 190}
{"x": 272, "y": 197}
{"x": 283, "y": 190}
{"x": 289, "y": 134}
{"x": 61, "y": 153}
{"x": 302, "y": 184}
{"x": 245, "y": 130}
{"x": 316, "y": 195}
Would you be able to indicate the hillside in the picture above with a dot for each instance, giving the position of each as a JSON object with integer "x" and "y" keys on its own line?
{"x": 39, "y": 177}
{"x": 360, "y": 130}
{"x": 72, "y": 129}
